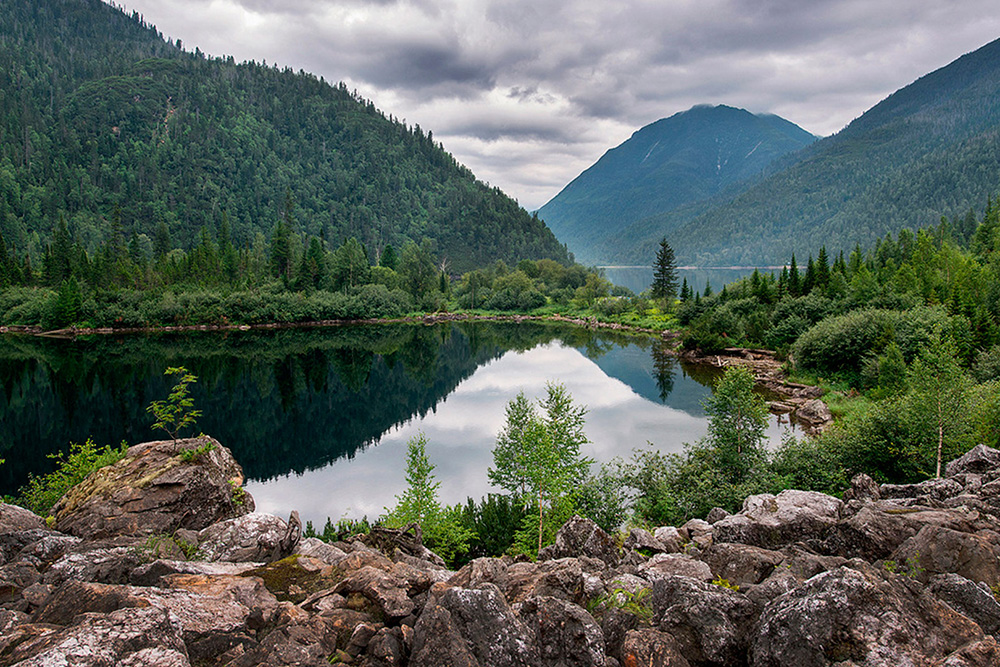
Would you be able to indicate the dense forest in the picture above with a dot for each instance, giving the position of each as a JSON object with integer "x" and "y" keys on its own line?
{"x": 134, "y": 144}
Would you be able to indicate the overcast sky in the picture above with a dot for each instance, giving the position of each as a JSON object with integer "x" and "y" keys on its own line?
{"x": 528, "y": 93}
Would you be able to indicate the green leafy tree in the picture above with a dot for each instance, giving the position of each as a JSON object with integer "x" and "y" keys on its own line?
{"x": 442, "y": 527}
{"x": 177, "y": 412}
{"x": 537, "y": 456}
{"x": 737, "y": 424}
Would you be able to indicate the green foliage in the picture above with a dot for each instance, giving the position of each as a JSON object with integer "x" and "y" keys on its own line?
{"x": 195, "y": 453}
{"x": 725, "y": 583}
{"x": 493, "y": 522}
{"x": 42, "y": 492}
{"x": 537, "y": 457}
{"x": 638, "y": 604}
{"x": 177, "y": 412}
{"x": 664, "y": 285}
{"x": 443, "y": 529}
{"x": 737, "y": 424}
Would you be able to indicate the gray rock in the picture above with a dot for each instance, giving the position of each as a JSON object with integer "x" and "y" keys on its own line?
{"x": 878, "y": 529}
{"x": 563, "y": 632}
{"x": 933, "y": 489}
{"x": 716, "y": 514}
{"x": 772, "y": 521}
{"x": 153, "y": 574}
{"x": 814, "y": 413}
{"x": 863, "y": 488}
{"x": 582, "y": 537}
{"x": 710, "y": 623}
{"x": 125, "y": 638}
{"x": 681, "y": 565}
{"x": 698, "y": 532}
{"x": 980, "y": 459}
{"x": 109, "y": 565}
{"x": 480, "y": 571}
{"x": 968, "y": 598}
{"x": 983, "y": 653}
{"x": 669, "y": 537}
{"x": 940, "y": 550}
{"x": 14, "y": 543}
{"x": 153, "y": 491}
{"x": 388, "y": 591}
{"x": 741, "y": 564}
{"x": 562, "y": 578}
{"x": 253, "y": 537}
{"x": 14, "y": 519}
{"x": 642, "y": 540}
{"x": 459, "y": 626}
{"x": 861, "y": 617}
{"x": 317, "y": 548}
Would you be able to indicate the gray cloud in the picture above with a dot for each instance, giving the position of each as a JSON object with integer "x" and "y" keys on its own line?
{"x": 528, "y": 93}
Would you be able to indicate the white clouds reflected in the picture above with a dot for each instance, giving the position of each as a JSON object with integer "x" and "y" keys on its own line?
{"x": 462, "y": 430}
{"x": 528, "y": 93}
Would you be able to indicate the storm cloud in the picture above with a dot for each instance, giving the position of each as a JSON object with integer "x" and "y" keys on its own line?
{"x": 528, "y": 93}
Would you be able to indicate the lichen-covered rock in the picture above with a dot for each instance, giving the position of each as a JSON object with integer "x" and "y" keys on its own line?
{"x": 14, "y": 519}
{"x": 316, "y": 548}
{"x": 472, "y": 628}
{"x": 983, "y": 653}
{"x": 866, "y": 617}
{"x": 814, "y": 413}
{"x": 124, "y": 638}
{"x": 581, "y": 537}
{"x": 772, "y": 521}
{"x": 878, "y": 529}
{"x": 385, "y": 589}
{"x": 153, "y": 490}
{"x": 939, "y": 550}
{"x": 863, "y": 489}
{"x": 710, "y": 623}
{"x": 681, "y": 565}
{"x": 968, "y": 598}
{"x": 253, "y": 537}
{"x": 479, "y": 571}
{"x": 978, "y": 460}
{"x": 562, "y": 578}
{"x": 698, "y": 533}
{"x": 932, "y": 489}
{"x": 86, "y": 561}
{"x": 741, "y": 564}
{"x": 669, "y": 537}
{"x": 565, "y": 634}
{"x": 644, "y": 542}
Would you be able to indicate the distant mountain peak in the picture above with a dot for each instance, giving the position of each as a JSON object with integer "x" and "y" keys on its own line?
{"x": 672, "y": 162}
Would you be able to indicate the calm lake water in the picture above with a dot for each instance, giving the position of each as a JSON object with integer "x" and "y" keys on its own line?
{"x": 320, "y": 419}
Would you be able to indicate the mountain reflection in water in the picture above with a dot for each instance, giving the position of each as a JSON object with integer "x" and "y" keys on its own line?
{"x": 302, "y": 410}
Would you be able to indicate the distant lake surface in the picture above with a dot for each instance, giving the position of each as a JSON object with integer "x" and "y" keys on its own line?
{"x": 639, "y": 278}
{"x": 320, "y": 419}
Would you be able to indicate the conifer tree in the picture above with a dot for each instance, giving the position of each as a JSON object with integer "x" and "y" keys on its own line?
{"x": 664, "y": 285}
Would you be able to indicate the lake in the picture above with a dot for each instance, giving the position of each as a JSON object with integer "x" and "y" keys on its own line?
{"x": 320, "y": 418}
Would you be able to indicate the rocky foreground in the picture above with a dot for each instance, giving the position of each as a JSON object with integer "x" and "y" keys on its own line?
{"x": 159, "y": 561}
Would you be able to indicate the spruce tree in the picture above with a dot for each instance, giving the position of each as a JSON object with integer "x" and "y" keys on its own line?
{"x": 664, "y": 273}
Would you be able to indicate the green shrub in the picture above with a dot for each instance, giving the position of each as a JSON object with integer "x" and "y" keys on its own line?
{"x": 42, "y": 492}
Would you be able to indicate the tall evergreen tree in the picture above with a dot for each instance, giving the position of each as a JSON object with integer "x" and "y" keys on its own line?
{"x": 664, "y": 273}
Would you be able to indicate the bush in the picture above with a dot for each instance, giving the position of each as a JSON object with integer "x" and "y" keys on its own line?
{"x": 41, "y": 493}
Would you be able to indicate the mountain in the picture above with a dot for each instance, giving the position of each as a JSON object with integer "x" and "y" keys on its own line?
{"x": 104, "y": 122}
{"x": 674, "y": 162}
{"x": 929, "y": 150}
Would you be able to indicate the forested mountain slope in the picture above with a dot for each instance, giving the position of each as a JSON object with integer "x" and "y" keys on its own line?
{"x": 688, "y": 157}
{"x": 931, "y": 149}
{"x": 106, "y": 123}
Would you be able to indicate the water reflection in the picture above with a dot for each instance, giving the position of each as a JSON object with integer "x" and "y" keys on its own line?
{"x": 302, "y": 410}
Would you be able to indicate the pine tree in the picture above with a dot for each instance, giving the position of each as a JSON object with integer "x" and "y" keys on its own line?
{"x": 664, "y": 274}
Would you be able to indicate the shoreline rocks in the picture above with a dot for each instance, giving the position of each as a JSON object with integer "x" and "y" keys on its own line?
{"x": 166, "y": 570}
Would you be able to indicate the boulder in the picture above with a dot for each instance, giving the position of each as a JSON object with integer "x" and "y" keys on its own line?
{"x": 472, "y": 628}
{"x": 644, "y": 541}
{"x": 716, "y": 514}
{"x": 582, "y": 537}
{"x": 386, "y": 590}
{"x": 649, "y": 646}
{"x": 862, "y": 617}
{"x": 681, "y": 565}
{"x": 877, "y": 529}
{"x": 772, "y": 521}
{"x": 92, "y": 562}
{"x": 153, "y": 490}
{"x": 562, "y": 578}
{"x": 408, "y": 541}
{"x": 975, "y": 601}
{"x": 153, "y": 574}
{"x": 983, "y": 653}
{"x": 669, "y": 537}
{"x": 978, "y": 460}
{"x": 697, "y": 532}
{"x": 710, "y": 623}
{"x": 14, "y": 519}
{"x": 939, "y": 550}
{"x": 814, "y": 413}
{"x": 932, "y": 489}
{"x": 124, "y": 638}
{"x": 303, "y": 641}
{"x": 252, "y": 537}
{"x": 863, "y": 488}
{"x": 13, "y": 544}
{"x": 741, "y": 564}
{"x": 479, "y": 571}
{"x": 563, "y": 632}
